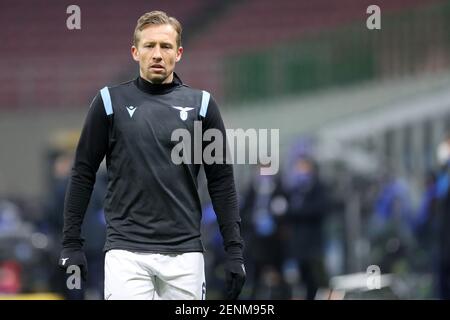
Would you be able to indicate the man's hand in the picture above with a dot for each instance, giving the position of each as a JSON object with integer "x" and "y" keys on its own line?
{"x": 235, "y": 278}
{"x": 75, "y": 257}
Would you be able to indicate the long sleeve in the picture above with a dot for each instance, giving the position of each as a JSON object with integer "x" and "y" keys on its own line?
{"x": 91, "y": 150}
{"x": 222, "y": 189}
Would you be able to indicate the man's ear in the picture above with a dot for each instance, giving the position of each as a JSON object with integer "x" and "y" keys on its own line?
{"x": 179, "y": 54}
{"x": 135, "y": 53}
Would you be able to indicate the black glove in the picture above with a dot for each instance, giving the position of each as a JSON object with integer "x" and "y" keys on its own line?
{"x": 235, "y": 278}
{"x": 74, "y": 256}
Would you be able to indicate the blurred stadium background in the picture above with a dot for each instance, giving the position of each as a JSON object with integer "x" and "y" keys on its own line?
{"x": 364, "y": 110}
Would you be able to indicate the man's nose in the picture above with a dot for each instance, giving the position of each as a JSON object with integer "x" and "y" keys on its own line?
{"x": 157, "y": 53}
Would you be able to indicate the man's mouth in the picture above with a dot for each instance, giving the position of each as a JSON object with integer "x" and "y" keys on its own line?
{"x": 157, "y": 67}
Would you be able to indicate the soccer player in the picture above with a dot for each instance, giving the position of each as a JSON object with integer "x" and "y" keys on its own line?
{"x": 152, "y": 207}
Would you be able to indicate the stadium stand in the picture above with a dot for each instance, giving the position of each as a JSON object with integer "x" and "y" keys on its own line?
{"x": 50, "y": 67}
{"x": 43, "y": 65}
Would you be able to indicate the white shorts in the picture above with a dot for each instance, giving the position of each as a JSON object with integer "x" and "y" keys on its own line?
{"x": 153, "y": 276}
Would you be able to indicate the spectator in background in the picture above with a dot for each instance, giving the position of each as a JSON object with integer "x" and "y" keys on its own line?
{"x": 60, "y": 174}
{"x": 443, "y": 219}
{"x": 307, "y": 206}
{"x": 94, "y": 232}
{"x": 391, "y": 226}
{"x": 11, "y": 224}
{"x": 424, "y": 225}
{"x": 215, "y": 258}
{"x": 264, "y": 247}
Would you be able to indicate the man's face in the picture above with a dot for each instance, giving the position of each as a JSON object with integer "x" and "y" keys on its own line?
{"x": 303, "y": 166}
{"x": 157, "y": 53}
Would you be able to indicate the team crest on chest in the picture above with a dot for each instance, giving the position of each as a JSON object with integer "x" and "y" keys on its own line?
{"x": 183, "y": 112}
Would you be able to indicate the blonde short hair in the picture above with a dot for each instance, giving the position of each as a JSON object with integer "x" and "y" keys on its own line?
{"x": 156, "y": 18}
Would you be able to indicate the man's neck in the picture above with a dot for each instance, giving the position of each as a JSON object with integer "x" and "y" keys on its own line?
{"x": 159, "y": 88}
{"x": 169, "y": 79}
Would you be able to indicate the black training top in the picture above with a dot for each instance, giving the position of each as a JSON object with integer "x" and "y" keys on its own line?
{"x": 151, "y": 204}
